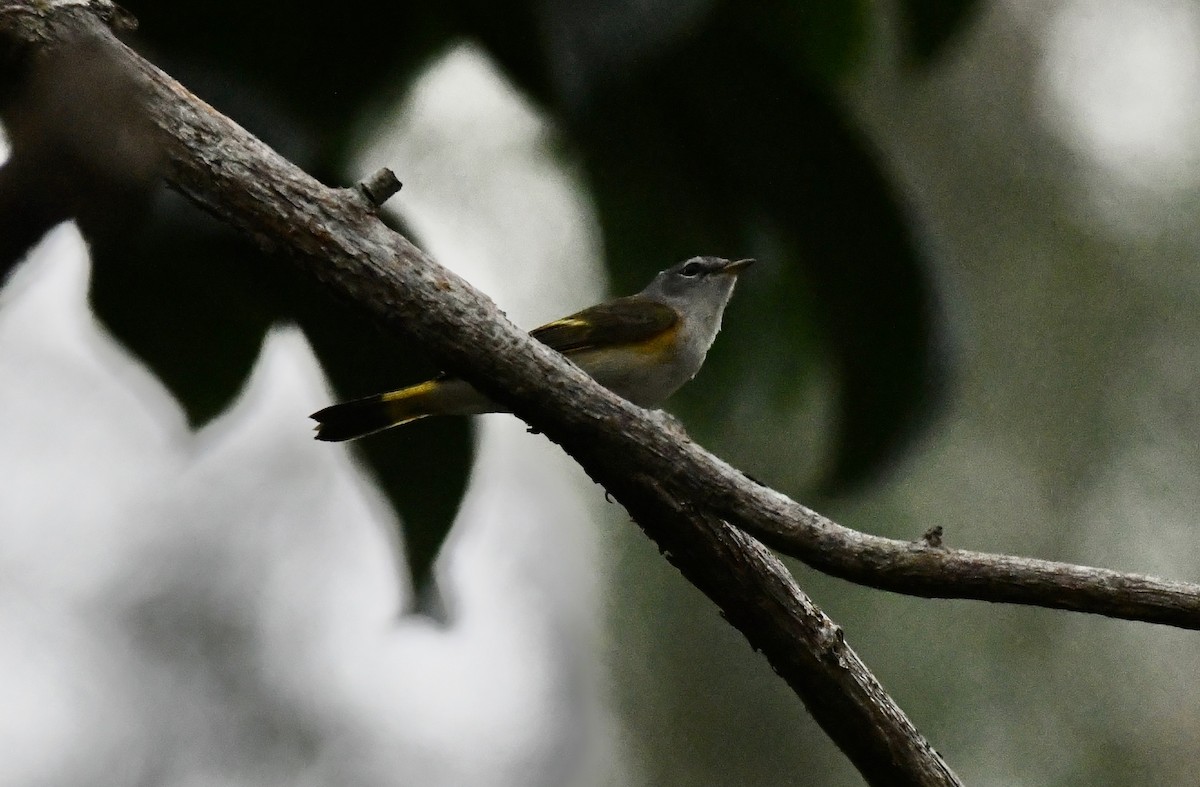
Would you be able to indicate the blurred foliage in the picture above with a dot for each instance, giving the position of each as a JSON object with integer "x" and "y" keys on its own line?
{"x": 704, "y": 127}
{"x": 929, "y": 24}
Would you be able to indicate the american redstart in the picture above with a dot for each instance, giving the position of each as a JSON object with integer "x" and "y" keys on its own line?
{"x": 643, "y": 347}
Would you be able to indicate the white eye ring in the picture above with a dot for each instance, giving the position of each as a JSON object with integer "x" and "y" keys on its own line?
{"x": 691, "y": 270}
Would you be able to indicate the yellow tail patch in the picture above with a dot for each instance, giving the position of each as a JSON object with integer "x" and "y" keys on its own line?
{"x": 361, "y": 417}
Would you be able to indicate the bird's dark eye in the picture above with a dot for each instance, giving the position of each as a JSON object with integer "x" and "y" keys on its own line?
{"x": 691, "y": 269}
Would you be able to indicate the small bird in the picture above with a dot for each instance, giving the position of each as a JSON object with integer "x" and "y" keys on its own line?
{"x": 643, "y": 347}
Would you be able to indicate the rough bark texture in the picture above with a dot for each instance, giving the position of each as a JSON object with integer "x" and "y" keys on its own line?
{"x": 683, "y": 497}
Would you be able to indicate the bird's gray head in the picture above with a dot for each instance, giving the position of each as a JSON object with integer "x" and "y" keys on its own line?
{"x": 696, "y": 290}
{"x": 699, "y": 287}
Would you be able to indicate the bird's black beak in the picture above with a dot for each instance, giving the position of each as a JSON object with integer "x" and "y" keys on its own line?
{"x": 737, "y": 266}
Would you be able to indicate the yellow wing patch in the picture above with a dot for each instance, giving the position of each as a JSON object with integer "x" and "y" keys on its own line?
{"x": 626, "y": 322}
{"x": 659, "y": 345}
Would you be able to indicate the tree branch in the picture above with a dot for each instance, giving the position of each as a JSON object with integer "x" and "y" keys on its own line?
{"x": 681, "y": 495}
{"x": 919, "y": 568}
{"x": 333, "y": 235}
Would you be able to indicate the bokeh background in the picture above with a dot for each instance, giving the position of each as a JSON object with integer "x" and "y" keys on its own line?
{"x": 194, "y": 592}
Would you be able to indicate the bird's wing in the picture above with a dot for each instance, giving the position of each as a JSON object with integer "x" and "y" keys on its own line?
{"x": 625, "y": 321}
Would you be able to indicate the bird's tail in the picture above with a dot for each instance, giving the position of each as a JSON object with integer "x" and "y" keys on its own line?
{"x": 361, "y": 417}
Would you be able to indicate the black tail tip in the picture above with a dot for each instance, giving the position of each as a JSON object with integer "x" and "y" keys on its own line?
{"x": 323, "y": 430}
{"x": 325, "y": 435}
{"x": 331, "y": 428}
{"x": 351, "y": 420}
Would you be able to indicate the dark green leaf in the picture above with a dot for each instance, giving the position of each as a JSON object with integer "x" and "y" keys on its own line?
{"x": 929, "y": 24}
{"x": 422, "y": 466}
{"x": 828, "y": 39}
{"x": 194, "y": 302}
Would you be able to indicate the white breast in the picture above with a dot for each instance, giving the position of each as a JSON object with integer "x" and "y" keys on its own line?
{"x": 649, "y": 379}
